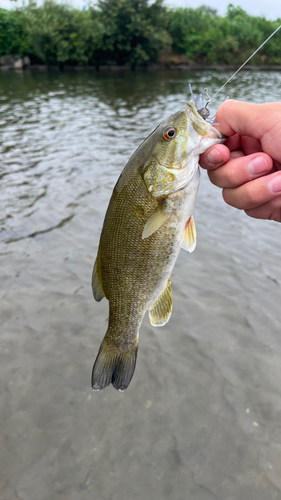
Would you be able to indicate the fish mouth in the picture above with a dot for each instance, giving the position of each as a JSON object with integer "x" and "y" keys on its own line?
{"x": 214, "y": 133}
{"x": 197, "y": 126}
{"x": 191, "y": 108}
{"x": 206, "y": 126}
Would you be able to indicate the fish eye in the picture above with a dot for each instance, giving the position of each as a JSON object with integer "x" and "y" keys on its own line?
{"x": 169, "y": 133}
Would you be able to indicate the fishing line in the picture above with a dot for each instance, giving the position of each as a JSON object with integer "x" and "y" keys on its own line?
{"x": 243, "y": 64}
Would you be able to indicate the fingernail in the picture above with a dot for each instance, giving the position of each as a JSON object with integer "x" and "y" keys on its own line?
{"x": 214, "y": 157}
{"x": 275, "y": 184}
{"x": 258, "y": 166}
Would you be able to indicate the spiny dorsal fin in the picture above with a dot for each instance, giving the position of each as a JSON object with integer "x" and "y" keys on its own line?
{"x": 161, "y": 310}
{"x": 97, "y": 282}
{"x": 189, "y": 236}
{"x": 156, "y": 220}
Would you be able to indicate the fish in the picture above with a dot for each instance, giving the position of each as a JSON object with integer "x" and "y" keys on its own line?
{"x": 148, "y": 220}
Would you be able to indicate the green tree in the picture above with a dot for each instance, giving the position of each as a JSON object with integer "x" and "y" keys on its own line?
{"x": 60, "y": 34}
{"x": 13, "y": 38}
{"x": 135, "y": 31}
{"x": 192, "y": 32}
{"x": 205, "y": 37}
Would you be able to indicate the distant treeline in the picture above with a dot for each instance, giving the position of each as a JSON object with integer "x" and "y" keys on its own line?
{"x": 135, "y": 33}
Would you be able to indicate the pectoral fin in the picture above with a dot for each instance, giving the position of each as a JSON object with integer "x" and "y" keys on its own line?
{"x": 189, "y": 236}
{"x": 156, "y": 220}
{"x": 161, "y": 310}
{"x": 97, "y": 282}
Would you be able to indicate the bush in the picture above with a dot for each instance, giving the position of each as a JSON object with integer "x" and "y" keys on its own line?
{"x": 13, "y": 38}
{"x": 135, "y": 31}
{"x": 60, "y": 34}
{"x": 205, "y": 37}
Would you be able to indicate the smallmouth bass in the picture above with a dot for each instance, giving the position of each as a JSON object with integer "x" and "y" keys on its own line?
{"x": 148, "y": 220}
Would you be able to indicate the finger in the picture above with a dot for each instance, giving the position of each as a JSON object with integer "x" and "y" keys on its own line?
{"x": 250, "y": 145}
{"x": 214, "y": 156}
{"x": 245, "y": 143}
{"x": 236, "y": 154}
{"x": 233, "y": 142}
{"x": 254, "y": 193}
{"x": 270, "y": 210}
{"x": 243, "y": 118}
{"x": 277, "y": 165}
{"x": 241, "y": 169}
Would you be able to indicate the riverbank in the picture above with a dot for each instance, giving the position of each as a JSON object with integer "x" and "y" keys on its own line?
{"x": 58, "y": 34}
{"x": 18, "y": 63}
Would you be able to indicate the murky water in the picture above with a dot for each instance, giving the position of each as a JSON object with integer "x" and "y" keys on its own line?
{"x": 201, "y": 419}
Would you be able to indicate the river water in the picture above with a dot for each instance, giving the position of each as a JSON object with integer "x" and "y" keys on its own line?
{"x": 201, "y": 419}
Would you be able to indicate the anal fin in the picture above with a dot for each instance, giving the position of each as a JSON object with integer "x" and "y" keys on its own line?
{"x": 161, "y": 310}
{"x": 189, "y": 236}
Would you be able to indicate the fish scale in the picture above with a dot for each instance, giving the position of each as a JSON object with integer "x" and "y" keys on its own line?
{"x": 148, "y": 220}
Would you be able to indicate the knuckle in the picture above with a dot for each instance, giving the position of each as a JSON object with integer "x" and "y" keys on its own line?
{"x": 232, "y": 197}
{"x": 250, "y": 197}
{"x": 215, "y": 178}
{"x": 249, "y": 212}
{"x": 253, "y": 213}
{"x": 203, "y": 160}
{"x": 228, "y": 196}
{"x": 233, "y": 174}
{"x": 227, "y": 105}
{"x": 212, "y": 177}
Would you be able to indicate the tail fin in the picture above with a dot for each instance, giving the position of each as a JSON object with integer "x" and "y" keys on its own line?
{"x": 113, "y": 366}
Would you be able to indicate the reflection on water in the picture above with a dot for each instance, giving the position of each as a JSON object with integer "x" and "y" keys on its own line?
{"x": 202, "y": 417}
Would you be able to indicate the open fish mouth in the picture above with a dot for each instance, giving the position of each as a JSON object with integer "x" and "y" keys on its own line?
{"x": 201, "y": 107}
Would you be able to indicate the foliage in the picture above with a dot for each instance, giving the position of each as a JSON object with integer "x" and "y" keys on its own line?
{"x": 205, "y": 37}
{"x": 190, "y": 30}
{"x": 60, "y": 34}
{"x": 13, "y": 38}
{"x": 135, "y": 32}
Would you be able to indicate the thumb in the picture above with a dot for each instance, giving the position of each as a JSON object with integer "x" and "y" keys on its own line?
{"x": 260, "y": 121}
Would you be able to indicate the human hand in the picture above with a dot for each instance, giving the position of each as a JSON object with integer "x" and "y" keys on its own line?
{"x": 248, "y": 166}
